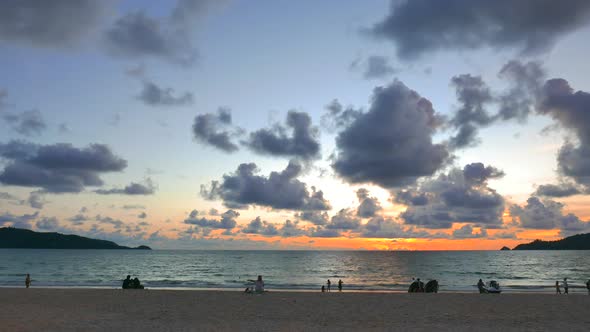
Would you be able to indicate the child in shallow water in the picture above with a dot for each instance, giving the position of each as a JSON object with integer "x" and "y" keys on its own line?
{"x": 28, "y": 280}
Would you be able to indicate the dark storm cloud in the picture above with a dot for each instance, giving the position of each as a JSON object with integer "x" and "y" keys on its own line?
{"x": 216, "y": 130}
{"x": 557, "y": 190}
{"x": 525, "y": 82}
{"x": 227, "y": 220}
{"x": 27, "y": 123}
{"x": 280, "y": 190}
{"x": 467, "y": 232}
{"x": 368, "y": 206}
{"x": 58, "y": 167}
{"x": 547, "y": 214}
{"x": 131, "y": 189}
{"x": 390, "y": 144}
{"x": 459, "y": 196}
{"x": 344, "y": 220}
{"x": 338, "y": 116}
{"x": 56, "y": 23}
{"x": 154, "y": 95}
{"x": 36, "y": 200}
{"x": 418, "y": 27}
{"x": 302, "y": 143}
{"x": 411, "y": 197}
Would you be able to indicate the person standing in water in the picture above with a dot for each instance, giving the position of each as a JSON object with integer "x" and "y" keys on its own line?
{"x": 28, "y": 281}
{"x": 557, "y": 289}
{"x": 565, "y": 286}
{"x": 588, "y": 286}
{"x": 340, "y": 285}
{"x": 329, "y": 285}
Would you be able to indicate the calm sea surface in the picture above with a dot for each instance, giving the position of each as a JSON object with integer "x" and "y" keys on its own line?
{"x": 301, "y": 270}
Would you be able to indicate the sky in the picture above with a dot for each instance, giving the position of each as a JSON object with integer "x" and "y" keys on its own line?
{"x": 373, "y": 125}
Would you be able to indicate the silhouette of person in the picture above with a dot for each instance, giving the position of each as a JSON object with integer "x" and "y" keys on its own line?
{"x": 127, "y": 282}
{"x": 323, "y": 288}
{"x": 340, "y": 285}
{"x": 557, "y": 289}
{"x": 565, "y": 286}
{"x": 420, "y": 286}
{"x": 137, "y": 284}
{"x": 259, "y": 285}
{"x": 481, "y": 286}
{"x": 329, "y": 285}
{"x": 28, "y": 281}
{"x": 588, "y": 286}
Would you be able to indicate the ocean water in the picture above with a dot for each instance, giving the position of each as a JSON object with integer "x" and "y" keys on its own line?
{"x": 517, "y": 271}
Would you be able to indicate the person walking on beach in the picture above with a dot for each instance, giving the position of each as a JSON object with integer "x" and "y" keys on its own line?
{"x": 481, "y": 286}
{"x": 565, "y": 286}
{"x": 340, "y": 285}
{"x": 557, "y": 289}
{"x": 28, "y": 281}
{"x": 329, "y": 285}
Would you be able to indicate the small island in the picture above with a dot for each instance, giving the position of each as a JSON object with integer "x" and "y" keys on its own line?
{"x": 505, "y": 248}
{"x": 16, "y": 238}
{"x": 575, "y": 242}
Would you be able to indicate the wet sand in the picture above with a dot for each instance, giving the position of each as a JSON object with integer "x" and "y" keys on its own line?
{"x": 172, "y": 310}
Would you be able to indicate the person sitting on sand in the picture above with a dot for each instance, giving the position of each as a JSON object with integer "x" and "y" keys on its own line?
{"x": 28, "y": 281}
{"x": 137, "y": 284}
{"x": 259, "y": 285}
{"x": 557, "y": 289}
{"x": 565, "y": 286}
{"x": 323, "y": 288}
{"x": 481, "y": 286}
{"x": 340, "y": 285}
{"x": 127, "y": 282}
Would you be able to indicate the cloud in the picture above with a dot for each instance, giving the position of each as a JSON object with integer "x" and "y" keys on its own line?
{"x": 391, "y": 144}
{"x": 570, "y": 110}
{"x": 467, "y": 232}
{"x": 22, "y": 221}
{"x": 58, "y": 167}
{"x": 374, "y": 67}
{"x": 280, "y": 190}
{"x": 52, "y": 24}
{"x": 381, "y": 227}
{"x": 47, "y": 224}
{"x": 142, "y": 215}
{"x": 257, "y": 226}
{"x": 547, "y": 214}
{"x": 131, "y": 189}
{"x": 344, "y": 220}
{"x": 368, "y": 206}
{"x": 154, "y": 95}
{"x": 227, "y": 221}
{"x": 317, "y": 218}
{"x": 411, "y": 197}
{"x": 78, "y": 219}
{"x": 419, "y": 27}
{"x": 462, "y": 195}
{"x": 557, "y": 190}
{"x": 28, "y": 123}
{"x": 136, "y": 35}
{"x": 210, "y": 129}
{"x": 338, "y": 116}
{"x": 476, "y": 100}
{"x": 302, "y": 143}
{"x": 36, "y": 200}
{"x": 11, "y": 198}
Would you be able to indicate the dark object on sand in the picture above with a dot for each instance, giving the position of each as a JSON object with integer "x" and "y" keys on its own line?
{"x": 416, "y": 287}
{"x": 129, "y": 283}
{"x": 432, "y": 286}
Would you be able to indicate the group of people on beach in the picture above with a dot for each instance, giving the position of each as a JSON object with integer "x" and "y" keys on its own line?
{"x": 565, "y": 286}
{"x": 134, "y": 283}
{"x": 329, "y": 286}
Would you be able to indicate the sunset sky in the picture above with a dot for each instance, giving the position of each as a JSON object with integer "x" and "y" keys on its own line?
{"x": 201, "y": 124}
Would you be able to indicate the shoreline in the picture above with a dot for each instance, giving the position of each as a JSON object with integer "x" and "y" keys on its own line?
{"x": 45, "y": 309}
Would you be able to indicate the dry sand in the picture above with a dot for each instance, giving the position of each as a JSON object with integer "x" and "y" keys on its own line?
{"x": 167, "y": 310}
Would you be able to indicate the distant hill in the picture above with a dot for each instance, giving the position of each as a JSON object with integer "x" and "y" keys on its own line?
{"x": 505, "y": 248}
{"x": 575, "y": 242}
{"x": 27, "y": 239}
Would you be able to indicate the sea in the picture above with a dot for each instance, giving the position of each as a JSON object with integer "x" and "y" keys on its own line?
{"x": 383, "y": 271}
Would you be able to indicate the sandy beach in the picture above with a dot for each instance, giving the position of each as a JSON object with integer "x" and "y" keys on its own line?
{"x": 173, "y": 310}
